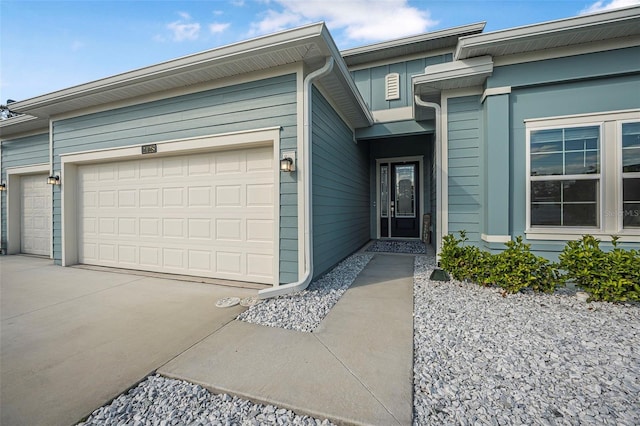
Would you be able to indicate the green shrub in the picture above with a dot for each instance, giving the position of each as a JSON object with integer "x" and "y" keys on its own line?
{"x": 464, "y": 262}
{"x": 612, "y": 276}
{"x": 517, "y": 268}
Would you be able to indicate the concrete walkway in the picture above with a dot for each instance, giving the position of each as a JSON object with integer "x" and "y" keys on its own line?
{"x": 72, "y": 339}
{"x": 356, "y": 368}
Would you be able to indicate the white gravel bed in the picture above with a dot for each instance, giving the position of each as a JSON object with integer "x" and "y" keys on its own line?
{"x": 160, "y": 401}
{"x": 480, "y": 358}
{"x": 303, "y": 311}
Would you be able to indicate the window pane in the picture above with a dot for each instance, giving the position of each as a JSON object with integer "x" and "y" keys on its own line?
{"x": 546, "y": 164}
{"x": 631, "y": 217}
{"x": 631, "y": 135}
{"x": 631, "y": 160}
{"x": 580, "y": 214}
{"x": 546, "y": 141}
{"x": 546, "y": 214}
{"x": 582, "y": 163}
{"x": 545, "y": 192}
{"x": 631, "y": 190}
{"x": 384, "y": 191}
{"x": 580, "y": 191}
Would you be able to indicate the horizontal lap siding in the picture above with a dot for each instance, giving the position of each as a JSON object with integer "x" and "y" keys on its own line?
{"x": 340, "y": 188}
{"x": 464, "y": 174}
{"x": 371, "y": 84}
{"x": 258, "y": 104}
{"x": 20, "y": 152}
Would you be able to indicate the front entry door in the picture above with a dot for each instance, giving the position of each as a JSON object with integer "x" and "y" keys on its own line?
{"x": 399, "y": 200}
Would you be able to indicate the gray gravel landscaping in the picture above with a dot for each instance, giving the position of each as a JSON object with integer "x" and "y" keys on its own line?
{"x": 479, "y": 358}
{"x": 160, "y": 401}
{"x": 527, "y": 358}
{"x": 303, "y": 311}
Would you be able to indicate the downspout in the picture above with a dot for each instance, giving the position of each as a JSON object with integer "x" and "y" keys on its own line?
{"x": 304, "y": 281}
{"x": 439, "y": 183}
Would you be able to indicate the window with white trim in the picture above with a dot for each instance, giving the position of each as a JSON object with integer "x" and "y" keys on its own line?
{"x": 583, "y": 175}
{"x": 631, "y": 174}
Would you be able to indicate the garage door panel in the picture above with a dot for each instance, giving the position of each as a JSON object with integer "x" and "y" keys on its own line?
{"x": 35, "y": 215}
{"x": 207, "y": 215}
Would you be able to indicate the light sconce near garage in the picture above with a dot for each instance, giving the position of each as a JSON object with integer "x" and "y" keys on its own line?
{"x": 3, "y": 186}
{"x": 288, "y": 162}
{"x": 53, "y": 180}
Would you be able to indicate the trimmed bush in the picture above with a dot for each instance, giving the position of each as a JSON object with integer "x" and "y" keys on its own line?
{"x": 517, "y": 268}
{"x": 514, "y": 269}
{"x": 612, "y": 276}
{"x": 464, "y": 262}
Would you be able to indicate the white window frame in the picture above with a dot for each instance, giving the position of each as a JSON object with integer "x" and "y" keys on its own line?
{"x": 623, "y": 175}
{"x": 610, "y": 188}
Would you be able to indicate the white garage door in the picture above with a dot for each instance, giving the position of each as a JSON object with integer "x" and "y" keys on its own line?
{"x": 35, "y": 220}
{"x": 207, "y": 214}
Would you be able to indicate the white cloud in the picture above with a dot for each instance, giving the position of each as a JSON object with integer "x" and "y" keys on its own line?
{"x": 602, "y": 5}
{"x": 361, "y": 20}
{"x": 184, "y": 29}
{"x": 238, "y": 3}
{"x": 218, "y": 27}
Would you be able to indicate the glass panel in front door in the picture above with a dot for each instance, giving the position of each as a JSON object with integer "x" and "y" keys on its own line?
{"x": 405, "y": 205}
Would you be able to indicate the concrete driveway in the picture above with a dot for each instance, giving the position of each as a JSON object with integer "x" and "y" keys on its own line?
{"x": 73, "y": 339}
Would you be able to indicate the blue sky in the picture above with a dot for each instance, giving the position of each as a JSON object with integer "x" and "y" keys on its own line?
{"x": 47, "y": 45}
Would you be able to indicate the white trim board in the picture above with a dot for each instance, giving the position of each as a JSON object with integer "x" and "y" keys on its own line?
{"x": 13, "y": 205}
{"x": 235, "y": 140}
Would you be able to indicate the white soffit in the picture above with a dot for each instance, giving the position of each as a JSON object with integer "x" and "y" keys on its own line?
{"x": 613, "y": 24}
{"x": 453, "y": 75}
{"x": 22, "y": 124}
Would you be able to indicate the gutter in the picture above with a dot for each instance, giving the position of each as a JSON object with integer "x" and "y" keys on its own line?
{"x": 438, "y": 155}
{"x": 303, "y": 283}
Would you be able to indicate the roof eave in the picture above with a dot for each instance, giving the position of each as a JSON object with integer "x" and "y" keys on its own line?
{"x": 550, "y": 28}
{"x": 453, "y": 75}
{"x": 264, "y": 43}
{"x": 22, "y": 124}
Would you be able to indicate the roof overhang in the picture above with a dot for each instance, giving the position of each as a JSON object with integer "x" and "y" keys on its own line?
{"x": 22, "y": 124}
{"x": 310, "y": 44}
{"x": 452, "y": 75}
{"x": 436, "y": 40}
{"x": 612, "y": 24}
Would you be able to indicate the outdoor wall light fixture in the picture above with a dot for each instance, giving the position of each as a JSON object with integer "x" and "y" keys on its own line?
{"x": 53, "y": 180}
{"x": 288, "y": 162}
{"x": 3, "y": 186}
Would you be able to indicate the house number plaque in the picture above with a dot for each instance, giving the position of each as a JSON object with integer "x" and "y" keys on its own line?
{"x": 149, "y": 149}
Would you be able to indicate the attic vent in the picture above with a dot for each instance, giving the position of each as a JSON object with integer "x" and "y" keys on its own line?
{"x": 392, "y": 86}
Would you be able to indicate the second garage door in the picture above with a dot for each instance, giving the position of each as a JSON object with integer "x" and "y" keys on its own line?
{"x": 206, "y": 214}
{"x": 35, "y": 221}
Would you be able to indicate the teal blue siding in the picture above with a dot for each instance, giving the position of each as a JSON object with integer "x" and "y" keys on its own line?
{"x": 370, "y": 81}
{"x": 591, "y": 83}
{"x": 20, "y": 152}
{"x": 579, "y": 67}
{"x": 340, "y": 188}
{"x": 464, "y": 130}
{"x": 258, "y": 104}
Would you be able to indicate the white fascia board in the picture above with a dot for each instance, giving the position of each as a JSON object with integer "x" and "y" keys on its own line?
{"x": 542, "y": 29}
{"x": 464, "y": 29}
{"x": 436, "y": 75}
{"x": 340, "y": 67}
{"x": 264, "y": 43}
